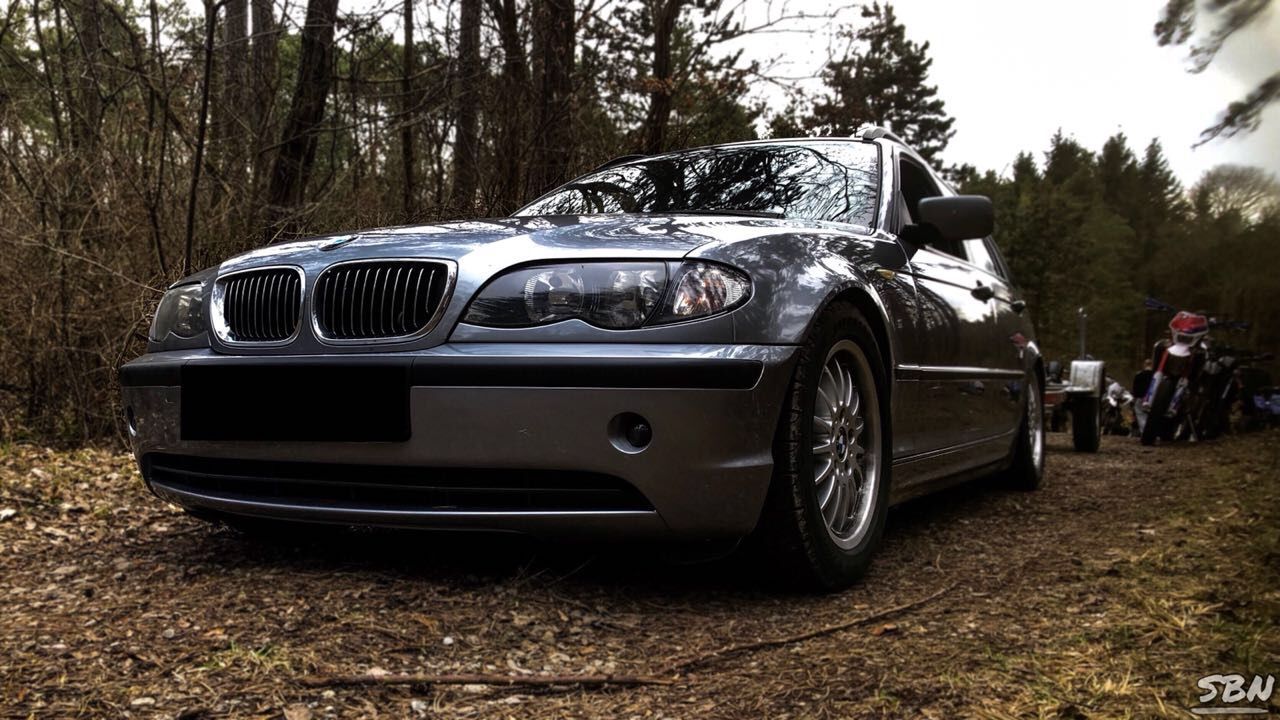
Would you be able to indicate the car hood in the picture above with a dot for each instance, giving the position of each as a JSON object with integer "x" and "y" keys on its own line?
{"x": 497, "y": 243}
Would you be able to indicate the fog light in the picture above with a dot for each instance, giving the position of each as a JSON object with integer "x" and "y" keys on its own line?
{"x": 630, "y": 433}
{"x": 640, "y": 434}
{"x": 131, "y": 420}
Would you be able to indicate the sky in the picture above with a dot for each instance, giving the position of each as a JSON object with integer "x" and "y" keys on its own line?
{"x": 1013, "y": 72}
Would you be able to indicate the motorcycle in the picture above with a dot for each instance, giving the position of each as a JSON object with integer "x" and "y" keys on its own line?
{"x": 1217, "y": 388}
{"x": 1178, "y": 366}
{"x": 1117, "y": 406}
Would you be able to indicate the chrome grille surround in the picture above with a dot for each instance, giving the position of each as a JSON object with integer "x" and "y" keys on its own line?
{"x": 259, "y": 306}
{"x": 380, "y": 300}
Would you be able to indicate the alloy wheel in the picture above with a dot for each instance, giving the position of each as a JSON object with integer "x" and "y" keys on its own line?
{"x": 846, "y": 444}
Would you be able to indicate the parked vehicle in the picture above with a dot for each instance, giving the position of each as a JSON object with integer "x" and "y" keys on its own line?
{"x": 1079, "y": 401}
{"x": 778, "y": 337}
{"x": 1178, "y": 366}
{"x": 1218, "y": 389}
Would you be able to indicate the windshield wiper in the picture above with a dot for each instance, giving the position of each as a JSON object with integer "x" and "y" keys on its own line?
{"x": 748, "y": 213}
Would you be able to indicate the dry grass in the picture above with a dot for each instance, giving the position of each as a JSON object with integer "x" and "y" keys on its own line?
{"x": 1106, "y": 595}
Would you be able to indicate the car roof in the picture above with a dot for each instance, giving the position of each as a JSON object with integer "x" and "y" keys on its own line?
{"x": 629, "y": 159}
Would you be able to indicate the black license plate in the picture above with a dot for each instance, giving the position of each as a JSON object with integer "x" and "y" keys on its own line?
{"x": 294, "y": 402}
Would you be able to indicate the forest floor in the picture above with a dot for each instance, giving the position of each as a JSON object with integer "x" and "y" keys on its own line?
{"x": 1109, "y": 593}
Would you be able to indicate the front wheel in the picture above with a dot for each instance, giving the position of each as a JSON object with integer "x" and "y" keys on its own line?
{"x": 826, "y": 508}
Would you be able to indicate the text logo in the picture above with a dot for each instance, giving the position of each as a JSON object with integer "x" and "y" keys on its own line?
{"x": 1229, "y": 695}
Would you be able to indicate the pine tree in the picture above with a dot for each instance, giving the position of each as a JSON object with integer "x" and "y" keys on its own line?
{"x": 1163, "y": 206}
{"x": 882, "y": 80}
{"x": 1118, "y": 173}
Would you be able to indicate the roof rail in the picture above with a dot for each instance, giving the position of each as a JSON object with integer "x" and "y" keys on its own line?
{"x": 875, "y": 132}
{"x": 621, "y": 159}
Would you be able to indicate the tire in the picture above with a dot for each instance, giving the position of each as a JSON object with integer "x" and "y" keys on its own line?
{"x": 1158, "y": 426}
{"x": 1086, "y": 427}
{"x": 1027, "y": 470}
{"x": 828, "y": 545}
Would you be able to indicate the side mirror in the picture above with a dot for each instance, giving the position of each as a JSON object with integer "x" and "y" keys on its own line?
{"x": 959, "y": 217}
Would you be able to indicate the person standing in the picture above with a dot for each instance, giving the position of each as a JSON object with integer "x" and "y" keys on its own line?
{"x": 1141, "y": 382}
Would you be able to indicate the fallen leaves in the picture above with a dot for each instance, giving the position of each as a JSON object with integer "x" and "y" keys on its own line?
{"x": 111, "y": 597}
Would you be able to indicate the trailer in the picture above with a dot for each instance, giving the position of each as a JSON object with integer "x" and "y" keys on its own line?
{"x": 1080, "y": 397}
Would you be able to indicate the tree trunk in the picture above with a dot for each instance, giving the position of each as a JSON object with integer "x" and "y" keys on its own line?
{"x": 86, "y": 114}
{"x": 512, "y": 123}
{"x": 210, "y": 21}
{"x": 409, "y": 190}
{"x": 355, "y": 158}
{"x": 157, "y": 138}
{"x": 86, "y": 120}
{"x": 554, "y": 45}
{"x": 466, "y": 144}
{"x": 664, "y": 14}
{"x": 297, "y": 153}
{"x": 235, "y": 78}
{"x": 262, "y": 84}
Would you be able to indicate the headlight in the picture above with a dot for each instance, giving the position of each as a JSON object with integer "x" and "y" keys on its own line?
{"x": 181, "y": 313}
{"x": 616, "y": 296}
{"x": 610, "y": 295}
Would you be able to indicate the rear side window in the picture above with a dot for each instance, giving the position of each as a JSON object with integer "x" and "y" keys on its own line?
{"x": 979, "y": 255}
{"x": 1002, "y": 267}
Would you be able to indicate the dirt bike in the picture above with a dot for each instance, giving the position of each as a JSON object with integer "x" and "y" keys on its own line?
{"x": 1178, "y": 365}
{"x": 1219, "y": 381}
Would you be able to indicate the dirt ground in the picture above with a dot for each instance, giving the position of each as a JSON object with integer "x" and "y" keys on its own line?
{"x": 1107, "y": 594}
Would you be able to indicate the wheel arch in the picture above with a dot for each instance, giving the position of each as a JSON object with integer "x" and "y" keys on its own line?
{"x": 875, "y": 315}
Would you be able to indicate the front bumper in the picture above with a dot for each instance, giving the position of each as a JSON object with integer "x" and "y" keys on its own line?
{"x": 497, "y": 415}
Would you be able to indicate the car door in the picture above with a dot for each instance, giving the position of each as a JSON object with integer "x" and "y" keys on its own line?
{"x": 1005, "y": 355}
{"x": 956, "y": 323}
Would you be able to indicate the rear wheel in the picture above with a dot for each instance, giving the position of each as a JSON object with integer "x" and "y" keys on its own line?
{"x": 1159, "y": 426}
{"x": 830, "y": 494}
{"x": 1027, "y": 471}
{"x": 1086, "y": 425}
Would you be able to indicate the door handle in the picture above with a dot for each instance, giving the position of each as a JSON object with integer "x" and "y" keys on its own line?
{"x": 1018, "y": 306}
{"x": 982, "y": 292}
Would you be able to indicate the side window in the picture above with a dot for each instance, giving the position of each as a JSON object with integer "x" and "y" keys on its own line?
{"x": 915, "y": 185}
{"x": 979, "y": 255}
{"x": 994, "y": 250}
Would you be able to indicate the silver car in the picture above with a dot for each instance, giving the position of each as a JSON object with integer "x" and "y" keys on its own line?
{"x": 775, "y": 339}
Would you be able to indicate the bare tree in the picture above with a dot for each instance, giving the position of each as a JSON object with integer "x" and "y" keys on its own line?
{"x": 262, "y": 87}
{"x": 1243, "y": 191}
{"x": 296, "y": 156}
{"x": 210, "y": 22}
{"x": 232, "y": 105}
{"x": 553, "y": 46}
{"x": 663, "y": 14}
{"x": 409, "y": 190}
{"x": 466, "y": 151}
{"x": 513, "y": 115}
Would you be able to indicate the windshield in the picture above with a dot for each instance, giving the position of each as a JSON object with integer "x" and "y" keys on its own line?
{"x": 820, "y": 180}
